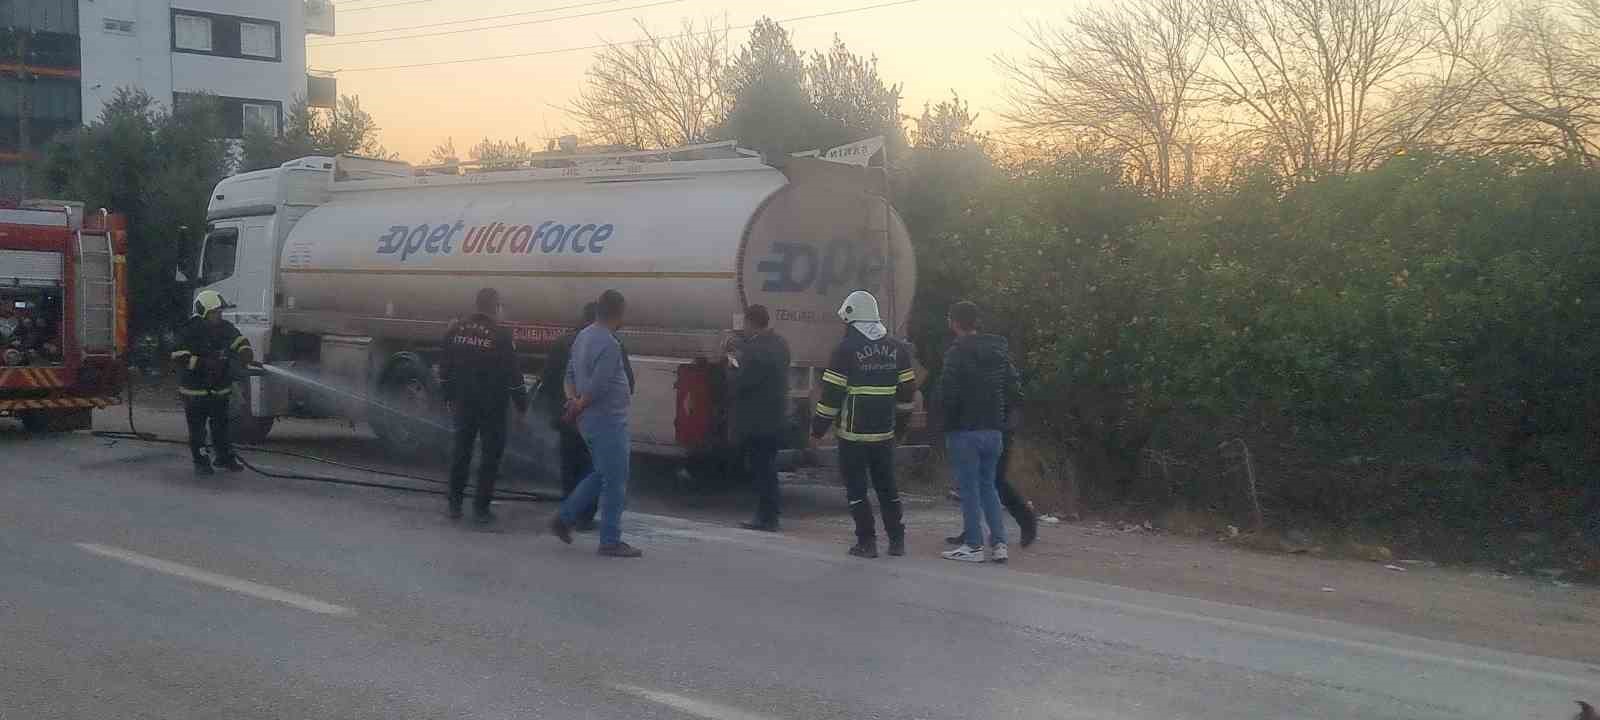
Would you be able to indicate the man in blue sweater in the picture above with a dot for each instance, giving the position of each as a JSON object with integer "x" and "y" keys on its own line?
{"x": 597, "y": 377}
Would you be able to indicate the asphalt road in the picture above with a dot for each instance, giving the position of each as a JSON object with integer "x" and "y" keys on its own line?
{"x": 130, "y": 589}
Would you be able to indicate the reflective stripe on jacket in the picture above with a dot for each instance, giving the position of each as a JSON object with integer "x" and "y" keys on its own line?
{"x": 203, "y": 356}
{"x": 867, "y": 390}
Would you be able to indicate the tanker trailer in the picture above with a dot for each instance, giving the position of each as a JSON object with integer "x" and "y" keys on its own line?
{"x": 347, "y": 271}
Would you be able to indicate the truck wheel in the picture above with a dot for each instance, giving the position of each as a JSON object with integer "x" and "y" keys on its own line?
{"x": 405, "y": 419}
{"x": 43, "y": 421}
{"x": 244, "y": 427}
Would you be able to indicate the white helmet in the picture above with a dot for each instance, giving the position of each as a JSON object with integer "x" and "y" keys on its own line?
{"x": 859, "y": 306}
{"x": 207, "y": 300}
{"x": 860, "y": 310}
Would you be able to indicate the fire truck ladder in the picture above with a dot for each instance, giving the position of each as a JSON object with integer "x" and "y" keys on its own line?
{"x": 96, "y": 294}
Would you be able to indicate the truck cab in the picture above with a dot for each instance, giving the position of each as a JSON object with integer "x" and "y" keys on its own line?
{"x": 247, "y": 218}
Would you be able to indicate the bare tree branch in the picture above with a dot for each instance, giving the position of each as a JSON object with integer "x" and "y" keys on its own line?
{"x": 658, "y": 92}
{"x": 1122, "y": 76}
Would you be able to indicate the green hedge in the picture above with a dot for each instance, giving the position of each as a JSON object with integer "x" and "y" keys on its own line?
{"x": 1366, "y": 335}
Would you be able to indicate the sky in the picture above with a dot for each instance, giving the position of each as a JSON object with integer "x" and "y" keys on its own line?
{"x": 931, "y": 47}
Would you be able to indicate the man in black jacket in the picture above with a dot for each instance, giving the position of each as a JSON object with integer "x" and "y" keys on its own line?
{"x": 480, "y": 375}
{"x": 1021, "y": 510}
{"x": 210, "y": 351}
{"x": 761, "y": 395}
{"x": 575, "y": 460}
{"x": 868, "y": 391}
{"x": 976, "y": 383}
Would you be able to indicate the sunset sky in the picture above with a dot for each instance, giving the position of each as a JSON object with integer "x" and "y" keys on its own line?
{"x": 930, "y": 46}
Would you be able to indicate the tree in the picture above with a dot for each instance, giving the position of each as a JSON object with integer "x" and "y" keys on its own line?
{"x": 655, "y": 93}
{"x": 156, "y": 167}
{"x": 846, "y": 89}
{"x": 444, "y": 153}
{"x": 770, "y": 105}
{"x": 345, "y": 129}
{"x": 947, "y": 163}
{"x": 487, "y": 154}
{"x": 1125, "y": 78}
{"x": 1314, "y": 81}
{"x": 492, "y": 154}
{"x": 1538, "y": 81}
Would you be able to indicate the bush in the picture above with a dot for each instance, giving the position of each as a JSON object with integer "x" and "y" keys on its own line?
{"x": 1368, "y": 335}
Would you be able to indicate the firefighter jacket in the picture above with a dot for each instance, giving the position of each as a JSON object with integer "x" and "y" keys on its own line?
{"x": 480, "y": 365}
{"x": 205, "y": 354}
{"x": 867, "y": 389}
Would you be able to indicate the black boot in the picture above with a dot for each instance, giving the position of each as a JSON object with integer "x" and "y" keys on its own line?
{"x": 897, "y": 545}
{"x": 231, "y": 464}
{"x": 202, "y": 466}
{"x": 865, "y": 549}
{"x": 1029, "y": 521}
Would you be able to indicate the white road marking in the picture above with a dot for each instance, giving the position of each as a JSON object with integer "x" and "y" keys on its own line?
{"x": 243, "y": 587}
{"x": 684, "y": 703}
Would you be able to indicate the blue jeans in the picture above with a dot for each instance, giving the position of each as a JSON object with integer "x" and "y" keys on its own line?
{"x": 608, "y": 442}
{"x": 974, "y": 455}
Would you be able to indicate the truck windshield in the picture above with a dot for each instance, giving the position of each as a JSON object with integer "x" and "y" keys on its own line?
{"x": 222, "y": 248}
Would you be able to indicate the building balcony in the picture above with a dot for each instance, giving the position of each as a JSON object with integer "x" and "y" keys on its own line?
{"x": 319, "y": 17}
{"x": 322, "y": 91}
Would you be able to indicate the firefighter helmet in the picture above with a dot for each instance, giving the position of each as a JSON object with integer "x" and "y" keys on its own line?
{"x": 207, "y": 300}
{"x": 859, "y": 306}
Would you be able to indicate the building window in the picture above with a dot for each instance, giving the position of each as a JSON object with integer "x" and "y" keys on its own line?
{"x": 230, "y": 36}
{"x": 191, "y": 32}
{"x": 118, "y": 27}
{"x": 53, "y": 105}
{"x": 258, "y": 40}
{"x": 240, "y": 115}
{"x": 260, "y": 118}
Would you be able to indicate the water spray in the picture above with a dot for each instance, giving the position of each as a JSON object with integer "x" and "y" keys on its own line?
{"x": 295, "y": 377}
{"x": 133, "y": 433}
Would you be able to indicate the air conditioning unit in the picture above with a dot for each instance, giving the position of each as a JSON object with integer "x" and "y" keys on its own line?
{"x": 319, "y": 17}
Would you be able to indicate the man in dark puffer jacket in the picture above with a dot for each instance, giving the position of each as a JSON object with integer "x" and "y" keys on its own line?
{"x": 977, "y": 383}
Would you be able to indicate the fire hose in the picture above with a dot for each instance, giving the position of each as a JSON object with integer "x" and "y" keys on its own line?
{"x": 133, "y": 433}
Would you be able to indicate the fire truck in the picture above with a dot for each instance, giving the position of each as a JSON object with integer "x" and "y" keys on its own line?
{"x": 63, "y": 313}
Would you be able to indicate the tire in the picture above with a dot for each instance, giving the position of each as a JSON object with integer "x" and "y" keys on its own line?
{"x": 405, "y": 417}
{"x": 56, "y": 421}
{"x": 244, "y": 427}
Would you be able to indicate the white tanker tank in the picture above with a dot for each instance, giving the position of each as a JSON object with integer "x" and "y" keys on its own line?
{"x": 352, "y": 270}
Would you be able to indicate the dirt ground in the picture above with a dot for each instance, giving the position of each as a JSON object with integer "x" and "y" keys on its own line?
{"x": 1521, "y": 614}
{"x": 1470, "y": 606}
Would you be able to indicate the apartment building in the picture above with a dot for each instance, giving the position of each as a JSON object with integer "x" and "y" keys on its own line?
{"x": 61, "y": 61}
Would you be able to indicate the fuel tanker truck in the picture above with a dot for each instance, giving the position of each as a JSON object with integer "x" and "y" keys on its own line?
{"x": 346, "y": 272}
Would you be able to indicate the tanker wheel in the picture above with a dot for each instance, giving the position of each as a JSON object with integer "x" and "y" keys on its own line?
{"x": 41, "y": 421}
{"x": 403, "y": 419}
{"x": 243, "y": 426}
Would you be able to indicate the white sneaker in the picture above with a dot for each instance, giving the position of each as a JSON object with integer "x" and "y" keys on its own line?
{"x": 997, "y": 554}
{"x": 965, "y": 553}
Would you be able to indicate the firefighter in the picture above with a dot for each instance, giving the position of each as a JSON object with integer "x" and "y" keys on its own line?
{"x": 480, "y": 375}
{"x": 210, "y": 352}
{"x": 867, "y": 391}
